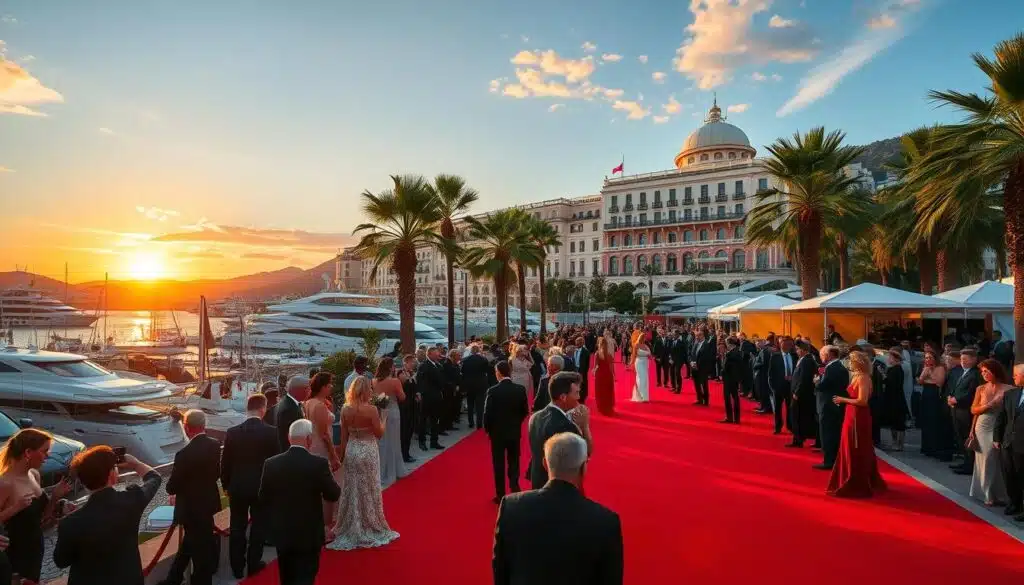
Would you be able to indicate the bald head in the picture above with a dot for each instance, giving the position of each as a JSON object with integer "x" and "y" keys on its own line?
{"x": 1018, "y": 375}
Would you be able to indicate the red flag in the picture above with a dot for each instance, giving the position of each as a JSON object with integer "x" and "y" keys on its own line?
{"x": 618, "y": 169}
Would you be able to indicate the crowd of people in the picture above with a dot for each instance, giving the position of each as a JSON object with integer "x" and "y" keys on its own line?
{"x": 301, "y": 474}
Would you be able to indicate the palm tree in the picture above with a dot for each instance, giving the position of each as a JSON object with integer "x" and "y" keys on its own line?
{"x": 813, "y": 188}
{"x": 858, "y": 215}
{"x": 453, "y": 199}
{"x": 499, "y": 243}
{"x": 991, "y": 141}
{"x": 543, "y": 235}
{"x": 401, "y": 219}
{"x": 650, "y": 271}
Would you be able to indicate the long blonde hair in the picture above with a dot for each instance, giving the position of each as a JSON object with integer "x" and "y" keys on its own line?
{"x": 358, "y": 391}
{"x": 22, "y": 441}
{"x": 860, "y": 363}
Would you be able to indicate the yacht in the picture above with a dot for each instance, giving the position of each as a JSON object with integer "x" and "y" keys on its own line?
{"x": 436, "y": 316}
{"x": 324, "y": 323}
{"x": 70, "y": 395}
{"x": 25, "y": 307}
{"x": 489, "y": 315}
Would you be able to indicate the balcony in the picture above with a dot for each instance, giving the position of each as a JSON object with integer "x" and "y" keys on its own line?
{"x": 739, "y": 196}
{"x": 656, "y": 205}
{"x": 688, "y": 201}
{"x": 721, "y": 198}
{"x": 627, "y": 207}
{"x": 704, "y": 199}
{"x": 673, "y": 203}
{"x": 674, "y": 221}
{"x": 642, "y": 207}
{"x": 613, "y": 209}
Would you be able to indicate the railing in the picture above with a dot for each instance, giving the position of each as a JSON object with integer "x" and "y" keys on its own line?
{"x": 656, "y": 205}
{"x": 673, "y": 203}
{"x": 613, "y": 209}
{"x": 721, "y": 198}
{"x": 693, "y": 169}
{"x": 642, "y": 207}
{"x": 670, "y": 221}
{"x": 627, "y": 207}
{"x": 704, "y": 199}
{"x": 688, "y": 201}
{"x": 691, "y": 243}
{"x": 739, "y": 196}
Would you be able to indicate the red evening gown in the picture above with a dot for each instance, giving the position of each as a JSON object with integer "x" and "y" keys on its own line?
{"x": 855, "y": 474}
{"x": 604, "y": 386}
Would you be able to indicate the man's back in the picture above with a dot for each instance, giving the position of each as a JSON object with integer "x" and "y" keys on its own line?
{"x": 555, "y": 535}
{"x": 194, "y": 478}
{"x": 100, "y": 541}
{"x": 545, "y": 424}
{"x": 474, "y": 372}
{"x": 293, "y": 487}
{"x": 288, "y": 411}
{"x": 505, "y": 408}
{"x": 247, "y": 446}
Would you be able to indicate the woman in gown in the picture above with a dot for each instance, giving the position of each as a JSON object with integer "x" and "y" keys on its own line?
{"x": 640, "y": 361}
{"x": 933, "y": 376}
{"x": 604, "y": 378}
{"x": 894, "y": 402}
{"x": 361, "y": 522}
{"x": 319, "y": 410}
{"x": 521, "y": 364}
{"x": 987, "y": 482}
{"x": 23, "y": 503}
{"x": 855, "y": 474}
{"x": 392, "y": 466}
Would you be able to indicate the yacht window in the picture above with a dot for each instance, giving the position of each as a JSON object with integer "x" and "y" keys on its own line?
{"x": 360, "y": 316}
{"x": 8, "y": 369}
{"x": 301, "y": 332}
{"x": 7, "y": 427}
{"x": 28, "y": 405}
{"x": 428, "y": 335}
{"x": 74, "y": 369}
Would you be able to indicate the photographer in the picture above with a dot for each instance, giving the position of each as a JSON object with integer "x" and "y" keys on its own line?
{"x": 99, "y": 541}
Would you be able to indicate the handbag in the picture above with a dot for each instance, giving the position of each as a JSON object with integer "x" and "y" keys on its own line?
{"x": 972, "y": 444}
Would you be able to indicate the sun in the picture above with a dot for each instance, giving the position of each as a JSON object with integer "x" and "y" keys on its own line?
{"x": 146, "y": 266}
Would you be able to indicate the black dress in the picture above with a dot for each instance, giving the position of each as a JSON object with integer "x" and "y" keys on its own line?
{"x": 25, "y": 529}
{"x": 895, "y": 403}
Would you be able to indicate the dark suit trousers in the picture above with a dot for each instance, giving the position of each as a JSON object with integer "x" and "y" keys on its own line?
{"x": 584, "y": 386}
{"x": 198, "y": 546}
{"x": 700, "y": 385}
{"x": 428, "y": 420}
{"x": 781, "y": 398}
{"x": 663, "y": 371}
{"x": 928, "y": 419}
{"x": 472, "y": 397}
{"x": 748, "y": 379}
{"x": 962, "y": 421}
{"x": 505, "y": 458}
{"x": 676, "y": 372}
{"x": 298, "y": 566}
{"x": 407, "y": 422}
{"x": 731, "y": 395}
{"x": 1013, "y": 473}
{"x": 245, "y": 555}
{"x": 830, "y": 428}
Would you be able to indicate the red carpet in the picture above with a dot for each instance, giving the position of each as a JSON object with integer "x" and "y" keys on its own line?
{"x": 700, "y": 502}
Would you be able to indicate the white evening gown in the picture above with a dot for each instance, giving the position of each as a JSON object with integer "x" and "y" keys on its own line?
{"x": 392, "y": 466}
{"x": 640, "y": 391}
{"x": 361, "y": 522}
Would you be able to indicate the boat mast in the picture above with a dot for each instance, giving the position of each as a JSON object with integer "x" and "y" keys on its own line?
{"x": 65, "y": 297}
{"x": 106, "y": 279}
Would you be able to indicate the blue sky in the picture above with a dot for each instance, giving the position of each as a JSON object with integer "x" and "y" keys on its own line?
{"x": 259, "y": 123}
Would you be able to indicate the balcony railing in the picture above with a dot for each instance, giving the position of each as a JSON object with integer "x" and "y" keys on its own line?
{"x": 613, "y": 209}
{"x": 627, "y": 207}
{"x": 673, "y": 203}
{"x": 704, "y": 199}
{"x": 673, "y": 221}
{"x": 739, "y": 196}
{"x": 688, "y": 201}
{"x": 691, "y": 243}
{"x": 642, "y": 207}
{"x": 721, "y": 198}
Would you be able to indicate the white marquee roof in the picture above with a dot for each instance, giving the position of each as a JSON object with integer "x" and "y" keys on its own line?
{"x": 873, "y": 296}
{"x": 761, "y": 303}
{"x": 987, "y": 295}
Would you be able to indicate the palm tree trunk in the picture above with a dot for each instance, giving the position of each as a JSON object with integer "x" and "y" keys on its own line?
{"x": 884, "y": 274}
{"x": 543, "y": 297}
{"x": 501, "y": 300}
{"x": 405, "y": 273}
{"x": 451, "y": 301}
{"x": 522, "y": 297}
{"x": 1013, "y": 203}
{"x": 948, "y": 270}
{"x": 809, "y": 257}
{"x": 926, "y": 268}
{"x": 845, "y": 280}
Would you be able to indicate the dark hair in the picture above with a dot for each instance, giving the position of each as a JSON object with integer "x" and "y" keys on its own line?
{"x": 732, "y": 342}
{"x": 384, "y": 369}
{"x": 803, "y": 345}
{"x": 272, "y": 396}
{"x": 255, "y": 402}
{"x": 360, "y": 361}
{"x": 503, "y": 368}
{"x": 896, "y": 354}
{"x": 313, "y": 372}
{"x": 92, "y": 467}
{"x": 969, "y": 351}
{"x": 561, "y": 384}
{"x": 22, "y": 441}
{"x": 997, "y": 370}
{"x": 319, "y": 381}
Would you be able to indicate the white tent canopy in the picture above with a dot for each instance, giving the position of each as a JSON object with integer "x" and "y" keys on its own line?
{"x": 870, "y": 296}
{"x": 719, "y": 311}
{"x": 984, "y": 296}
{"x": 762, "y": 303}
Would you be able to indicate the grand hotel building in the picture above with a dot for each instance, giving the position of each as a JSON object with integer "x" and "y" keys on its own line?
{"x": 688, "y": 222}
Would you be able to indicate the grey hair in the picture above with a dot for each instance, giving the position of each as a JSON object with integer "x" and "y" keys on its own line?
{"x": 300, "y": 430}
{"x": 557, "y": 362}
{"x": 1019, "y": 368}
{"x": 195, "y": 419}
{"x": 565, "y": 454}
{"x": 297, "y": 381}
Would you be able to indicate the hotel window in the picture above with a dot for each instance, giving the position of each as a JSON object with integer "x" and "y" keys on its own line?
{"x": 533, "y": 272}
{"x": 732, "y": 155}
{"x": 721, "y": 188}
{"x": 572, "y": 247}
{"x": 718, "y": 156}
{"x": 642, "y": 240}
{"x": 720, "y": 234}
{"x": 548, "y": 271}
{"x": 671, "y": 237}
{"x": 615, "y": 200}
{"x": 593, "y": 227}
{"x": 703, "y": 190}
{"x": 703, "y": 212}
{"x": 762, "y": 184}
{"x": 627, "y": 240}
{"x": 657, "y": 238}
{"x": 762, "y": 260}
{"x": 657, "y": 216}
{"x": 703, "y": 157}
{"x": 688, "y": 236}
{"x": 583, "y": 245}
{"x": 739, "y": 208}
{"x": 739, "y": 187}
{"x": 739, "y": 232}
{"x": 671, "y": 194}
{"x": 703, "y": 235}
{"x": 687, "y": 214}
{"x": 583, "y": 268}
{"x": 594, "y": 245}
{"x": 557, "y": 271}
{"x": 671, "y": 214}
{"x": 629, "y": 198}
{"x": 595, "y": 267}
{"x": 613, "y": 266}
{"x": 721, "y": 211}
{"x": 643, "y": 197}
{"x": 629, "y": 220}
{"x": 643, "y": 218}
{"x": 657, "y": 196}
{"x": 688, "y": 193}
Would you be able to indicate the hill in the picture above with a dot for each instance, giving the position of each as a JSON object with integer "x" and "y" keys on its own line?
{"x": 878, "y": 153}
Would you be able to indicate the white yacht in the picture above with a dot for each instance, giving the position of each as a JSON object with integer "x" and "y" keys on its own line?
{"x": 436, "y": 316}
{"x": 324, "y": 323}
{"x": 26, "y": 307}
{"x": 489, "y": 315}
{"x": 69, "y": 395}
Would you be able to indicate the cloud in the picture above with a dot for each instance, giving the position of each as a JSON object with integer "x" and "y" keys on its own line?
{"x": 263, "y": 256}
{"x": 635, "y": 110}
{"x": 8, "y": 19}
{"x": 524, "y": 38}
{"x": 660, "y": 119}
{"x": 550, "y": 63}
{"x": 642, "y": 58}
{"x": 6, "y": 170}
{"x": 611, "y": 57}
{"x": 155, "y": 213}
{"x": 758, "y": 76}
{"x": 555, "y": 107}
{"x": 738, "y": 108}
{"x": 196, "y": 252}
{"x": 672, "y": 107}
{"x": 19, "y": 91}
{"x": 107, "y": 131}
{"x": 776, "y": 77}
{"x": 27, "y": 58}
{"x": 658, "y": 76}
{"x": 589, "y": 46}
{"x": 881, "y": 21}
{"x": 777, "y": 21}
{"x": 613, "y": 93}
{"x": 264, "y": 238}
{"x": 495, "y": 85}
{"x": 722, "y": 38}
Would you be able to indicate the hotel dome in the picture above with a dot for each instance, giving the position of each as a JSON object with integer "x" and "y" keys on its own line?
{"x": 715, "y": 141}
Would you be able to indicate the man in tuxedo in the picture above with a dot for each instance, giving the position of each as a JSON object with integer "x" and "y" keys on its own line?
{"x": 677, "y": 361}
{"x": 732, "y": 376}
{"x": 660, "y": 351}
{"x": 430, "y": 389}
{"x": 564, "y": 388}
{"x": 193, "y": 483}
{"x": 582, "y": 361}
{"x": 960, "y": 401}
{"x": 1002, "y": 350}
{"x": 506, "y": 406}
{"x": 289, "y": 409}
{"x": 590, "y": 341}
{"x": 569, "y": 358}
{"x": 780, "y": 374}
{"x": 761, "y": 363}
{"x": 555, "y": 534}
{"x": 703, "y": 362}
{"x": 1009, "y": 439}
{"x": 833, "y": 382}
{"x": 474, "y": 384}
{"x": 945, "y": 438}
{"x": 247, "y": 446}
{"x": 804, "y": 411}
{"x": 543, "y": 397}
{"x": 293, "y": 488}
{"x": 100, "y": 540}
{"x": 749, "y": 351}
{"x": 407, "y": 407}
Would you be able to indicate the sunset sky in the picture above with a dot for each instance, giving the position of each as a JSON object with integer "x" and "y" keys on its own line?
{"x": 198, "y": 139}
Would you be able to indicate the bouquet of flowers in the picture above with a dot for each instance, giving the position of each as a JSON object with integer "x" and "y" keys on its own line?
{"x": 380, "y": 401}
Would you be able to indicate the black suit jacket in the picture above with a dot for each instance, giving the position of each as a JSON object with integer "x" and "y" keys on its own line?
{"x": 733, "y": 368}
{"x": 677, "y": 351}
{"x": 556, "y": 536}
{"x": 292, "y": 491}
{"x": 247, "y": 447}
{"x": 965, "y": 388}
{"x": 777, "y": 371}
{"x": 568, "y": 364}
{"x": 100, "y": 540}
{"x": 474, "y": 373}
{"x": 584, "y": 364}
{"x": 541, "y": 396}
{"x": 271, "y": 416}
{"x": 833, "y": 382}
{"x": 288, "y": 411}
{"x": 430, "y": 381}
{"x": 660, "y": 349}
{"x": 802, "y": 384}
{"x": 543, "y": 425}
{"x": 193, "y": 480}
{"x": 590, "y": 341}
{"x": 705, "y": 357}
{"x": 1009, "y": 429}
{"x": 506, "y": 406}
